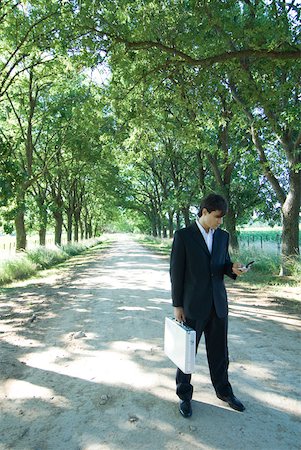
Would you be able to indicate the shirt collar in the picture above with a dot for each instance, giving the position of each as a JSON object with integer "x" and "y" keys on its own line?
{"x": 202, "y": 229}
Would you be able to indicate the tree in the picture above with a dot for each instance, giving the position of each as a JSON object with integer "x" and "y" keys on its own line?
{"x": 27, "y": 28}
{"x": 23, "y": 105}
{"x": 253, "y": 47}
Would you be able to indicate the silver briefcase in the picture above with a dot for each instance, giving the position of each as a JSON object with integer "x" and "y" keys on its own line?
{"x": 180, "y": 344}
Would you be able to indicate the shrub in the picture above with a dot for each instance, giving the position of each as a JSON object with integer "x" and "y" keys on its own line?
{"x": 45, "y": 257}
{"x": 294, "y": 266}
{"x": 18, "y": 268}
{"x": 266, "y": 264}
{"x": 74, "y": 248}
{"x": 25, "y": 265}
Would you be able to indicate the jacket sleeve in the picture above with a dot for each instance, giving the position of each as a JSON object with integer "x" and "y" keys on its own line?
{"x": 229, "y": 264}
{"x": 177, "y": 270}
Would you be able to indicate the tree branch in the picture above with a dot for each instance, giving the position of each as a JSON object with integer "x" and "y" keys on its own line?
{"x": 24, "y": 39}
{"x": 4, "y": 89}
{"x": 4, "y": 5}
{"x": 208, "y": 61}
{"x": 297, "y": 144}
{"x": 259, "y": 147}
{"x": 17, "y": 116}
{"x": 216, "y": 169}
{"x": 266, "y": 166}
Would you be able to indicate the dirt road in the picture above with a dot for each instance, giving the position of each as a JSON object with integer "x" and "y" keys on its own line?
{"x": 82, "y": 365}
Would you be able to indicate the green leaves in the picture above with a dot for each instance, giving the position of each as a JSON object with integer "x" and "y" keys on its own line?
{"x": 191, "y": 83}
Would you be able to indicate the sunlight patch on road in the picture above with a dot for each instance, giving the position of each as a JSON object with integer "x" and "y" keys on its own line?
{"x": 19, "y": 389}
{"x": 276, "y": 400}
{"x": 254, "y": 313}
{"x": 23, "y": 390}
{"x": 160, "y": 300}
{"x": 254, "y": 371}
{"x": 23, "y": 341}
{"x": 124, "y": 364}
{"x": 131, "y": 308}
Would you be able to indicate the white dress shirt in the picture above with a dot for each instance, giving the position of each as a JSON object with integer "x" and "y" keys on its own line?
{"x": 207, "y": 236}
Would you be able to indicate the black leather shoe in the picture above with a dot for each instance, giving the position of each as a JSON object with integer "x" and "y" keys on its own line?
{"x": 232, "y": 401}
{"x": 185, "y": 408}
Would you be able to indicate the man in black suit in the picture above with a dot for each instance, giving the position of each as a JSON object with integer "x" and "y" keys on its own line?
{"x": 199, "y": 261}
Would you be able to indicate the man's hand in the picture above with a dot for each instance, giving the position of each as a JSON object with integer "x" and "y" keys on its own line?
{"x": 237, "y": 269}
{"x": 179, "y": 313}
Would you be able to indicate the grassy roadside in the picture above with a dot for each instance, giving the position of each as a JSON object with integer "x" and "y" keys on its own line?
{"x": 31, "y": 262}
{"x": 264, "y": 272}
{"x": 158, "y": 245}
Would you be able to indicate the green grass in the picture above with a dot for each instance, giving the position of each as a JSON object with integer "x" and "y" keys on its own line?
{"x": 158, "y": 245}
{"x": 266, "y": 268}
{"x": 30, "y": 262}
{"x": 74, "y": 249}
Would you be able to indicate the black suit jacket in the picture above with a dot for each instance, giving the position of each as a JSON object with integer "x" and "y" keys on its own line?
{"x": 197, "y": 277}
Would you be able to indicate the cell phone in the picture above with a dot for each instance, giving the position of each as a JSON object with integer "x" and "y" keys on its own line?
{"x": 246, "y": 267}
{"x": 249, "y": 264}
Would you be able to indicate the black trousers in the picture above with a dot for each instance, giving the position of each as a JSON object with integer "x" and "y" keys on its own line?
{"x": 215, "y": 330}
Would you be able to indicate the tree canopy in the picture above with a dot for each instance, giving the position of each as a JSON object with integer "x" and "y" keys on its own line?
{"x": 200, "y": 96}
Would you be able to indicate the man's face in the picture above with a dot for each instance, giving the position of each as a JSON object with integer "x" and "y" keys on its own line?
{"x": 212, "y": 220}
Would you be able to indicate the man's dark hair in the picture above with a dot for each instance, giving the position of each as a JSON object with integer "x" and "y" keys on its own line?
{"x": 214, "y": 202}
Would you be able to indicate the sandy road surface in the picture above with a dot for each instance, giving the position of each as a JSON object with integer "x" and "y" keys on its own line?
{"x": 82, "y": 366}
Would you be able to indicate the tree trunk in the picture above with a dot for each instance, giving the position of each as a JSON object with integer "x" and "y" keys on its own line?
{"x": 76, "y": 225}
{"x": 42, "y": 236}
{"x": 159, "y": 225}
{"x": 69, "y": 226}
{"x": 82, "y": 230}
{"x": 170, "y": 224}
{"x": 96, "y": 232}
{"x": 42, "y": 220}
{"x": 185, "y": 212}
{"x": 76, "y": 229}
{"x": 58, "y": 217}
{"x": 290, "y": 207}
{"x": 86, "y": 228}
{"x": 154, "y": 230}
{"x": 152, "y": 218}
{"x": 20, "y": 230}
{"x": 90, "y": 228}
{"x": 290, "y": 224}
{"x": 230, "y": 224}
{"x": 40, "y": 198}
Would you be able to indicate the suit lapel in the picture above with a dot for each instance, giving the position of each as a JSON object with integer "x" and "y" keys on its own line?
{"x": 198, "y": 237}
